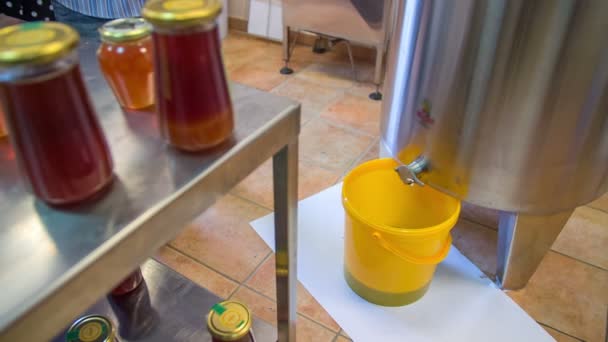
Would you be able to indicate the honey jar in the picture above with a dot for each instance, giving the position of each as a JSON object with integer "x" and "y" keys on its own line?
{"x": 59, "y": 145}
{"x": 192, "y": 97}
{"x": 125, "y": 58}
{"x": 230, "y": 321}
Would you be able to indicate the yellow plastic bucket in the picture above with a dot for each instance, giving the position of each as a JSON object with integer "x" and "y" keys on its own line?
{"x": 395, "y": 235}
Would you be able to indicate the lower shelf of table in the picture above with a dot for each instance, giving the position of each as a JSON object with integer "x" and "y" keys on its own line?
{"x": 169, "y": 308}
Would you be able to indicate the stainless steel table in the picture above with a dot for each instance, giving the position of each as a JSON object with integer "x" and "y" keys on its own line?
{"x": 55, "y": 263}
{"x": 167, "y": 308}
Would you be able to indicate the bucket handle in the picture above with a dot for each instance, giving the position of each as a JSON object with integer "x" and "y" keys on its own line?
{"x": 435, "y": 259}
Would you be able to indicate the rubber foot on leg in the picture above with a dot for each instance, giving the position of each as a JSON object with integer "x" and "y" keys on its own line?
{"x": 286, "y": 70}
{"x": 376, "y": 96}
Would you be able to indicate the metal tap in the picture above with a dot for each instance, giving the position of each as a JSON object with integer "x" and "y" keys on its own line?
{"x": 409, "y": 173}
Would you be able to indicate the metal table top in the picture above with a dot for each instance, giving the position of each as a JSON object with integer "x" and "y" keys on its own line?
{"x": 48, "y": 256}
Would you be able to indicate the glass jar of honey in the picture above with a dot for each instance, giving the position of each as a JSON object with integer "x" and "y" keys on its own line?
{"x": 58, "y": 142}
{"x": 230, "y": 321}
{"x": 125, "y": 57}
{"x": 91, "y": 328}
{"x": 3, "y": 129}
{"x": 129, "y": 284}
{"x": 192, "y": 97}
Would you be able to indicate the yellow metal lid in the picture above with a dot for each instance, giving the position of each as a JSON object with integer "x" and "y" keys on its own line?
{"x": 93, "y": 328}
{"x": 229, "y": 321}
{"x": 36, "y": 42}
{"x": 181, "y": 12}
{"x": 121, "y": 30}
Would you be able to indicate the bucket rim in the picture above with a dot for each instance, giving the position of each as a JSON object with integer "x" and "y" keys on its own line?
{"x": 448, "y": 224}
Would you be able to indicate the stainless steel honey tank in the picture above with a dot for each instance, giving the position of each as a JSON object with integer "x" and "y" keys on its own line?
{"x": 504, "y": 104}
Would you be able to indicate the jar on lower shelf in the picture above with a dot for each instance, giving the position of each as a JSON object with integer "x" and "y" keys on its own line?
{"x": 230, "y": 321}
{"x": 92, "y": 328}
{"x": 128, "y": 284}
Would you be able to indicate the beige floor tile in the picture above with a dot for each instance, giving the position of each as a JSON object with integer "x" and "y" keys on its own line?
{"x": 363, "y": 89}
{"x": 310, "y": 94}
{"x": 477, "y": 243}
{"x": 372, "y": 153}
{"x": 568, "y": 295}
{"x": 585, "y": 237}
{"x": 330, "y": 146}
{"x": 222, "y": 239}
{"x": 259, "y": 305}
{"x": 333, "y": 75}
{"x": 263, "y": 281}
{"x": 257, "y": 186}
{"x": 257, "y": 77}
{"x": 266, "y": 309}
{"x": 239, "y": 49}
{"x": 484, "y": 216}
{"x": 263, "y": 71}
{"x": 308, "y": 330}
{"x": 200, "y": 274}
{"x": 560, "y": 337}
{"x": 601, "y": 203}
{"x": 356, "y": 112}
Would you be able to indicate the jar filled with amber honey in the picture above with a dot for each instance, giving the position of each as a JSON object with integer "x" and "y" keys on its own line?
{"x": 58, "y": 142}
{"x": 192, "y": 96}
{"x": 125, "y": 57}
{"x": 230, "y": 321}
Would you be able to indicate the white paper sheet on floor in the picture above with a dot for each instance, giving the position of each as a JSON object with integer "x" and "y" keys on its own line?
{"x": 461, "y": 304}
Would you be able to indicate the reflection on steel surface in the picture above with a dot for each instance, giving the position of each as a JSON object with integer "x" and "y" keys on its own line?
{"x": 508, "y": 103}
{"x": 506, "y": 99}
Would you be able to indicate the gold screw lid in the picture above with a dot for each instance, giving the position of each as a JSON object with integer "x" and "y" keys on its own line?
{"x": 180, "y": 12}
{"x": 229, "y": 321}
{"x": 92, "y": 328}
{"x": 36, "y": 42}
{"x": 122, "y": 30}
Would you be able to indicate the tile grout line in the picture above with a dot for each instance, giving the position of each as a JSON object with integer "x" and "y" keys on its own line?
{"x": 317, "y": 323}
{"x": 254, "y": 203}
{"x": 579, "y": 260}
{"x": 299, "y": 313}
{"x": 596, "y": 208}
{"x": 358, "y": 159}
{"x": 241, "y": 284}
{"x": 201, "y": 263}
{"x": 561, "y": 332}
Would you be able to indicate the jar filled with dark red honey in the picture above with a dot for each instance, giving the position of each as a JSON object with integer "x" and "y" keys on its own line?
{"x": 59, "y": 145}
{"x": 192, "y": 96}
{"x": 129, "y": 284}
{"x": 3, "y": 130}
{"x": 125, "y": 58}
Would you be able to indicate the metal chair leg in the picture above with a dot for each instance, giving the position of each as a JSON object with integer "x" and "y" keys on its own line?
{"x": 351, "y": 58}
{"x": 288, "y": 50}
{"x": 377, "y": 95}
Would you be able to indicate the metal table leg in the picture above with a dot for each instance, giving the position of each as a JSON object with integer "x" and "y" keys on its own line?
{"x": 523, "y": 241}
{"x": 285, "y": 183}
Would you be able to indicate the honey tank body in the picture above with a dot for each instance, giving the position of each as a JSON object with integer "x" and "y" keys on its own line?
{"x": 503, "y": 104}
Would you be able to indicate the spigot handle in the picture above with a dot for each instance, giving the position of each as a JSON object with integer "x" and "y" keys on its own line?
{"x": 409, "y": 173}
